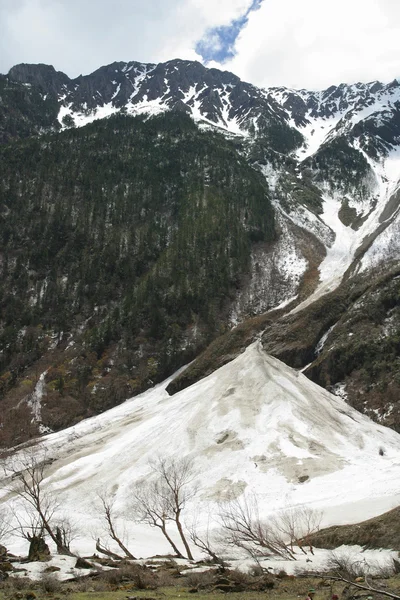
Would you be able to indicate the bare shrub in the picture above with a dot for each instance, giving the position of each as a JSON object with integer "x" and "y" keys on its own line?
{"x": 166, "y": 578}
{"x": 140, "y": 577}
{"x": 346, "y": 565}
{"x": 50, "y": 583}
{"x": 200, "y": 579}
{"x": 238, "y": 577}
{"x": 17, "y": 583}
{"x": 112, "y": 577}
{"x": 242, "y": 527}
{"x": 84, "y": 584}
{"x": 355, "y": 573}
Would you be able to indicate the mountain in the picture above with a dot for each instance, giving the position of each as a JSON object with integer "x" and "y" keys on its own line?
{"x": 132, "y": 242}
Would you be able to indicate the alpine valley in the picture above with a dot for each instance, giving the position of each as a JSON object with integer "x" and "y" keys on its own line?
{"x": 156, "y": 216}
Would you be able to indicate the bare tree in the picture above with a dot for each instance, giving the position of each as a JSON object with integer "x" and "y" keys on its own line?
{"x": 162, "y": 500}
{"x": 29, "y": 526}
{"x": 176, "y": 476}
{"x": 66, "y": 530}
{"x": 297, "y": 525}
{"x": 26, "y": 473}
{"x": 107, "y": 509}
{"x": 243, "y": 528}
{"x": 150, "y": 506}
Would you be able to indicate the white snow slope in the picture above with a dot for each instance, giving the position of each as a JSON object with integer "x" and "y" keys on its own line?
{"x": 254, "y": 425}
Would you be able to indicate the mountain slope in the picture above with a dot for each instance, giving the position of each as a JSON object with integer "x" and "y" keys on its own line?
{"x": 255, "y": 425}
{"x": 125, "y": 253}
{"x": 342, "y": 142}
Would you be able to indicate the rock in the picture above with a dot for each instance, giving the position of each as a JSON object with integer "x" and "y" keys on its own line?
{"x": 6, "y": 567}
{"x": 222, "y": 581}
{"x": 82, "y": 563}
{"x": 51, "y": 569}
{"x": 229, "y": 588}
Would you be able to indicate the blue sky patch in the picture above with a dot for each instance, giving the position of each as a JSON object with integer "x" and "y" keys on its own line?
{"x": 219, "y": 42}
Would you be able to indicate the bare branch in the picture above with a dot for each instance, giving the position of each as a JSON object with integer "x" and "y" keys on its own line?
{"x": 204, "y": 541}
{"x": 109, "y": 516}
{"x": 368, "y": 588}
{"x": 243, "y": 528}
{"x": 150, "y": 505}
{"x": 106, "y": 551}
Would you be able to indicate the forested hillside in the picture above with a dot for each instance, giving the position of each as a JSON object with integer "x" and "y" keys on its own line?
{"x": 121, "y": 243}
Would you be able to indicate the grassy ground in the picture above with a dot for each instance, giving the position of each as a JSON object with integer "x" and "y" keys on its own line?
{"x": 289, "y": 588}
{"x": 170, "y": 581}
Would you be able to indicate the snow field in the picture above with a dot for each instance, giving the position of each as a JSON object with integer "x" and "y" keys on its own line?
{"x": 253, "y": 426}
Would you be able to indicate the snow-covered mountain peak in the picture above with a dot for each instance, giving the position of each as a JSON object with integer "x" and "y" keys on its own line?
{"x": 219, "y": 99}
{"x": 320, "y": 116}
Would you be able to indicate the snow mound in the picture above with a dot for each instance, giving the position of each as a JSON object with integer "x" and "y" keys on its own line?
{"x": 254, "y": 425}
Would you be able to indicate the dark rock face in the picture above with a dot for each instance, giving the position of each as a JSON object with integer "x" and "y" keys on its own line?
{"x": 25, "y": 110}
{"x": 42, "y": 76}
{"x": 361, "y": 319}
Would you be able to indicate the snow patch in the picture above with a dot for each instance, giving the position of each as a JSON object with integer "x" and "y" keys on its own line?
{"x": 34, "y": 401}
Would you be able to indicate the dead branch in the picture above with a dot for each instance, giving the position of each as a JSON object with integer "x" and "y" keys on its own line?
{"x": 243, "y": 528}
{"x": 106, "y": 552}
{"x": 368, "y": 587}
{"x": 108, "y": 514}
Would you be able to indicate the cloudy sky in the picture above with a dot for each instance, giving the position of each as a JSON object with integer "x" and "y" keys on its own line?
{"x": 298, "y": 43}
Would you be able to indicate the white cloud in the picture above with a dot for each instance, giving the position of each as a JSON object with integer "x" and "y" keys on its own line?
{"x": 299, "y": 43}
{"x": 309, "y": 43}
{"x": 78, "y": 36}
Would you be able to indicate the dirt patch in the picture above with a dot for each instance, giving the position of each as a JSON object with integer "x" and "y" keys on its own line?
{"x": 225, "y": 489}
